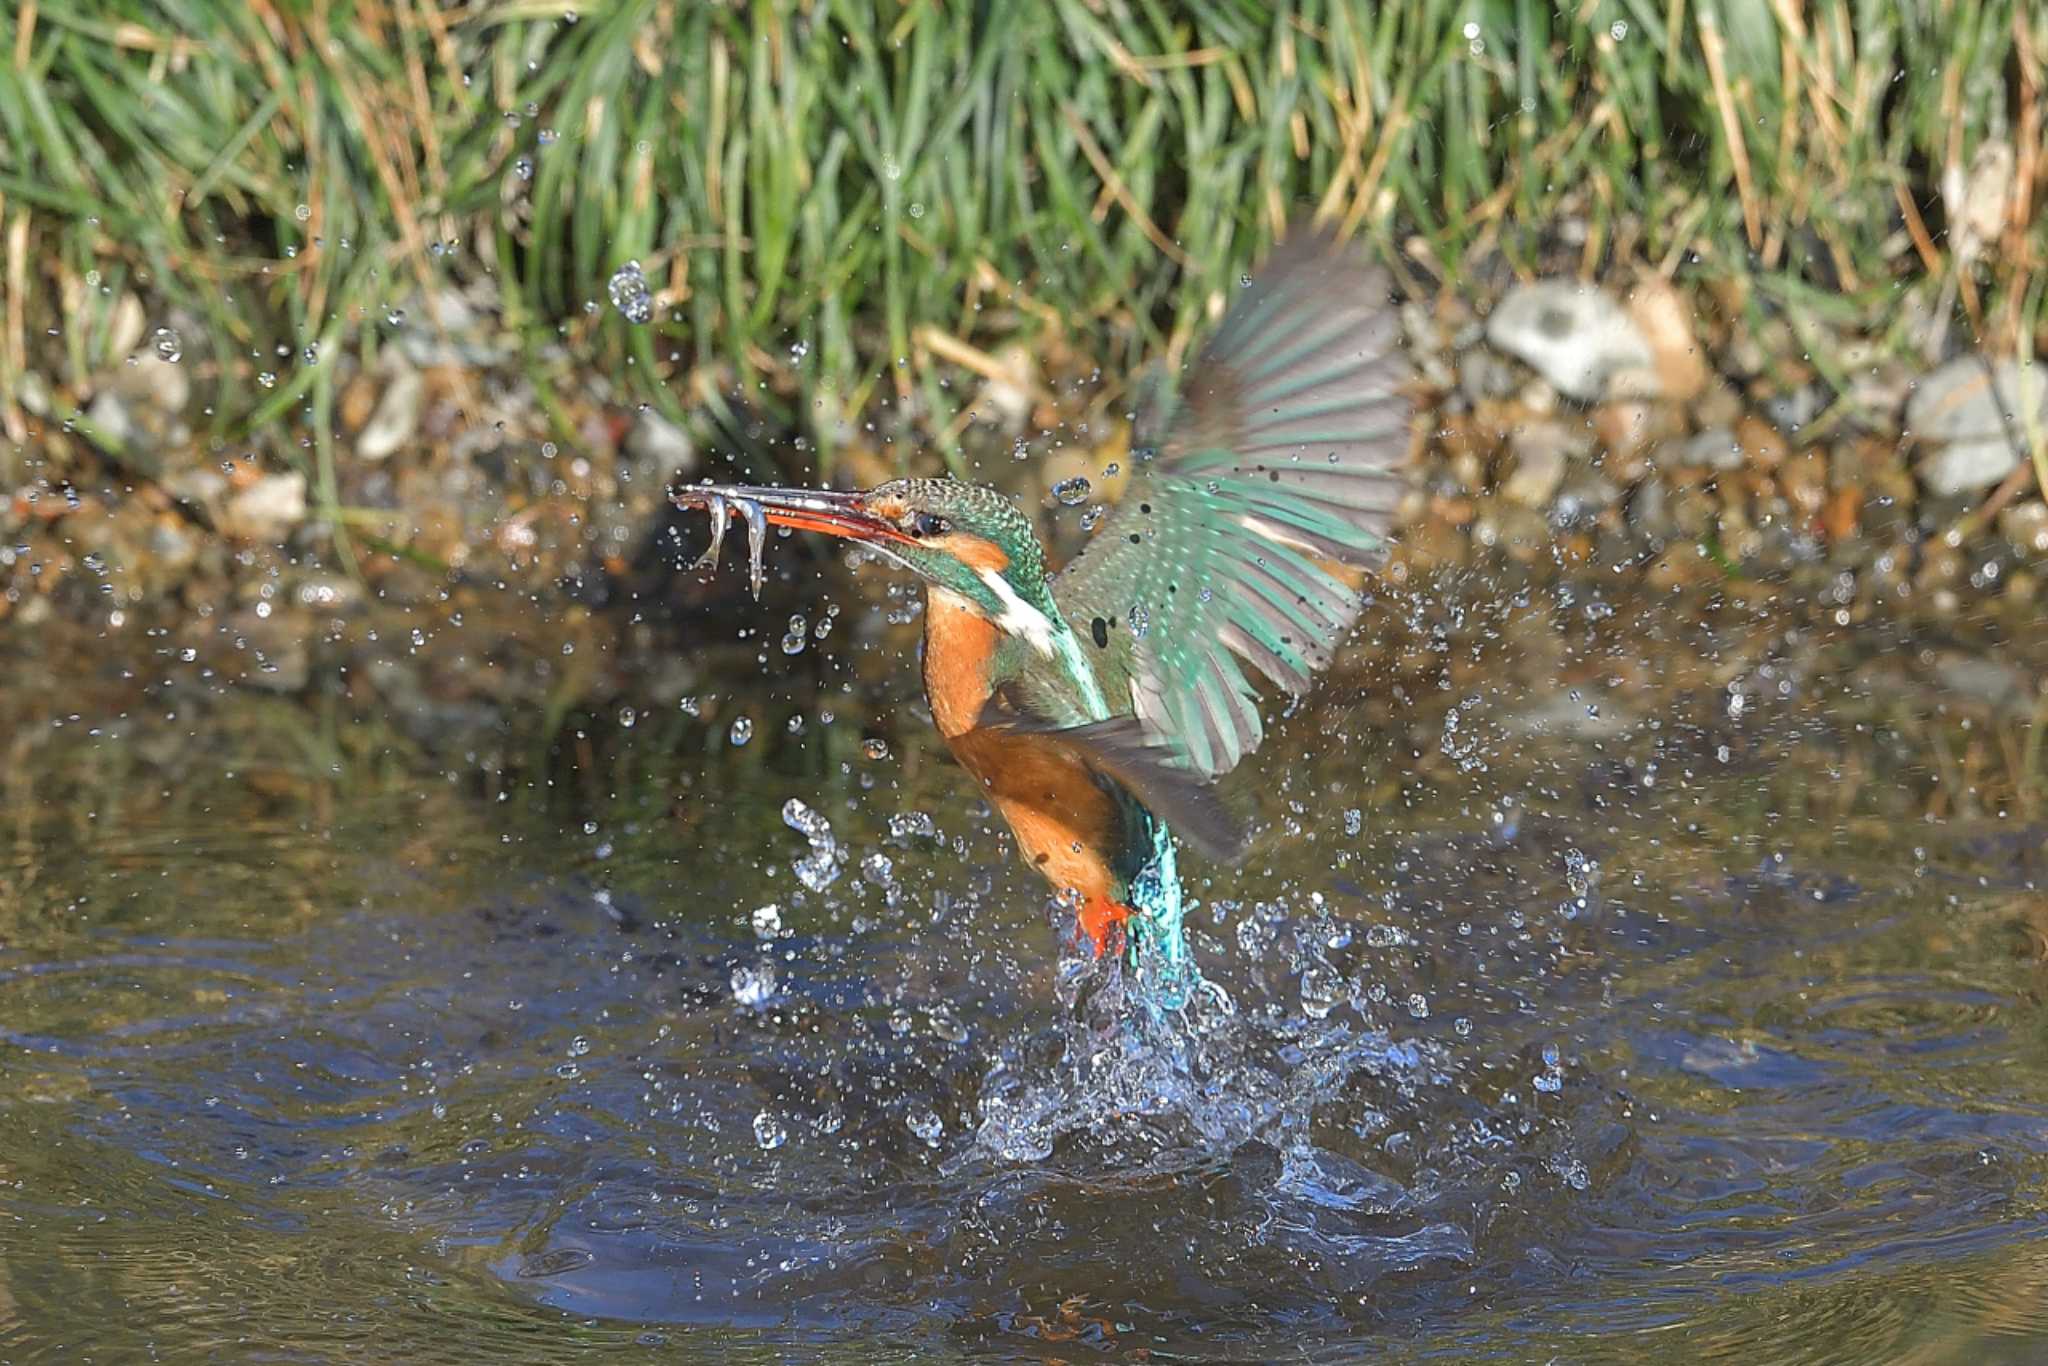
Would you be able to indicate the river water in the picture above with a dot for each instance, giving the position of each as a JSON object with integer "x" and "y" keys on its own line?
{"x": 1553, "y": 1018}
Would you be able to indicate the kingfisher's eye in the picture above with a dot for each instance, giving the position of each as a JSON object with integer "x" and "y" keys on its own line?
{"x": 928, "y": 524}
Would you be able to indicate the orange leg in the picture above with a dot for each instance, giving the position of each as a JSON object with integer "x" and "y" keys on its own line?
{"x": 1102, "y": 920}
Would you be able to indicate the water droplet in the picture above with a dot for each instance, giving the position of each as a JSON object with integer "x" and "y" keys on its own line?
{"x": 169, "y": 346}
{"x": 1618, "y": 30}
{"x": 904, "y": 824}
{"x": 879, "y": 869}
{"x": 769, "y": 1131}
{"x": 753, "y": 984}
{"x": 742, "y": 730}
{"x": 1092, "y": 518}
{"x": 1418, "y": 1006}
{"x": 1071, "y": 492}
{"x": 1321, "y": 989}
{"x": 876, "y": 749}
{"x": 818, "y": 869}
{"x": 926, "y": 1124}
{"x": 798, "y": 350}
{"x": 267, "y": 380}
{"x": 768, "y": 921}
{"x": 394, "y": 317}
{"x": 628, "y": 288}
{"x": 311, "y": 355}
{"x": 1140, "y": 618}
{"x": 303, "y": 212}
{"x": 523, "y": 168}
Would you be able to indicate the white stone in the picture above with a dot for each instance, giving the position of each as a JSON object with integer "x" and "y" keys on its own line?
{"x": 1977, "y": 434}
{"x": 1578, "y": 338}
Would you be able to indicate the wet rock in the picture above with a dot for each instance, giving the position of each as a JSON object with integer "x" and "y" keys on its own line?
{"x": 267, "y": 509}
{"x": 334, "y": 594}
{"x": 140, "y": 411}
{"x": 32, "y": 391}
{"x": 1993, "y": 683}
{"x": 126, "y": 326}
{"x": 1666, "y": 323}
{"x": 1791, "y": 411}
{"x": 659, "y": 448}
{"x": 1960, "y": 412}
{"x": 1764, "y": 445}
{"x": 396, "y": 417}
{"x": 1579, "y": 714}
{"x": 1483, "y": 375}
{"x": 1713, "y": 449}
{"x": 1649, "y": 511}
{"x": 276, "y": 650}
{"x": 1012, "y": 389}
{"x": 1978, "y": 213}
{"x": 1585, "y": 498}
{"x": 2025, "y": 525}
{"x": 1577, "y": 337}
{"x": 1718, "y": 406}
{"x": 172, "y": 549}
{"x": 1543, "y": 451}
{"x": 201, "y": 485}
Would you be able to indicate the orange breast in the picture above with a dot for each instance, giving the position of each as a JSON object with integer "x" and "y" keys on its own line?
{"x": 1063, "y": 821}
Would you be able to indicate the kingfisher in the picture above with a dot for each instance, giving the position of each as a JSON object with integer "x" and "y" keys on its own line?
{"x": 1098, "y": 705}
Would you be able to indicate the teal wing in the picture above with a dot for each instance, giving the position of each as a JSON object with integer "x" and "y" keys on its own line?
{"x": 1229, "y": 556}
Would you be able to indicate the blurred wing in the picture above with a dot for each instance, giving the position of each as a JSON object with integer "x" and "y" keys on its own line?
{"x": 1276, "y": 475}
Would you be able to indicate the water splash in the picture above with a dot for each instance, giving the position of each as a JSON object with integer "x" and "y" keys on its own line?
{"x": 818, "y": 869}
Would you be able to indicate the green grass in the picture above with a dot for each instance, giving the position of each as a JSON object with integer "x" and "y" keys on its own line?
{"x": 828, "y": 195}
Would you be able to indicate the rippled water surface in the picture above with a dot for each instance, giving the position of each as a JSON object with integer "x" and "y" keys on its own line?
{"x": 1633, "y": 1038}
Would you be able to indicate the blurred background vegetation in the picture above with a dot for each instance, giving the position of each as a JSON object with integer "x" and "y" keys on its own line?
{"x": 839, "y": 206}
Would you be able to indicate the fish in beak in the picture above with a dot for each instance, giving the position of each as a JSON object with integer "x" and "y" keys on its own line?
{"x": 844, "y": 515}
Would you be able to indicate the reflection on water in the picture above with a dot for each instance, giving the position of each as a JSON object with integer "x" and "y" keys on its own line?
{"x": 1651, "y": 1038}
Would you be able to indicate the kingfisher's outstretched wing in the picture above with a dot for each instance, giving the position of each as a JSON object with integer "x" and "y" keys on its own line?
{"x": 1230, "y": 546}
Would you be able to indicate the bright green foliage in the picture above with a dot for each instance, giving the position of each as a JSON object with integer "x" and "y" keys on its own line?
{"x": 810, "y": 185}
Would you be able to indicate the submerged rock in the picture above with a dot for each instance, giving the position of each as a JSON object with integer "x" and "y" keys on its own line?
{"x": 1577, "y": 337}
{"x": 1978, "y": 430}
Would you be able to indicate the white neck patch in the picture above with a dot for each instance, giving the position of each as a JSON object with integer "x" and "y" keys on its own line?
{"x": 1018, "y": 617}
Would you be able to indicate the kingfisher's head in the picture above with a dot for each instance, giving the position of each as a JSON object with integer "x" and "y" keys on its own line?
{"x": 967, "y": 540}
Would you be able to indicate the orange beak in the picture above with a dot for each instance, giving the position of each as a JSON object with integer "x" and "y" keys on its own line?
{"x": 836, "y": 514}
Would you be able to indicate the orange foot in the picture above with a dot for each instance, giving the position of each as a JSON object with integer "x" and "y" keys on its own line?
{"x": 1102, "y": 923}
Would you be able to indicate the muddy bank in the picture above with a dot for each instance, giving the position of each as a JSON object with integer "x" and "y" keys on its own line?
{"x": 473, "y": 554}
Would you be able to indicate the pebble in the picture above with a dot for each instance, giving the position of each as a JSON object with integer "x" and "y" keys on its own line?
{"x": 2025, "y": 525}
{"x": 268, "y": 508}
{"x": 1578, "y": 338}
{"x": 1666, "y": 323}
{"x": 659, "y": 446}
{"x": 1714, "y": 449}
{"x": 1996, "y": 684}
{"x": 142, "y": 407}
{"x": 1543, "y": 451}
{"x": 396, "y": 417}
{"x": 1483, "y": 375}
{"x": 1955, "y": 410}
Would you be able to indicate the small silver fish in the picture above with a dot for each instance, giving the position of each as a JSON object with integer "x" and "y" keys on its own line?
{"x": 721, "y": 517}
{"x": 757, "y": 537}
